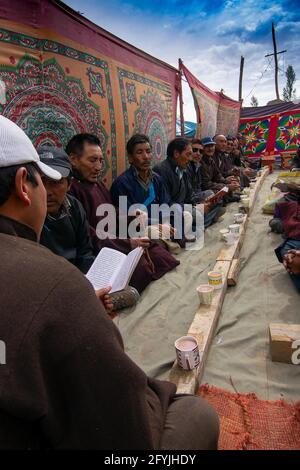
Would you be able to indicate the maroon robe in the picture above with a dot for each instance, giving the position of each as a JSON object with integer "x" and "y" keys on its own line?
{"x": 91, "y": 195}
{"x": 289, "y": 213}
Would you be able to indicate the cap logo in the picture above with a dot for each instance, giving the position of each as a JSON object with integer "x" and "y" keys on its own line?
{"x": 47, "y": 155}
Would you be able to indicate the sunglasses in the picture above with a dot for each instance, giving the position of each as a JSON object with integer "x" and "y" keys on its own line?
{"x": 197, "y": 150}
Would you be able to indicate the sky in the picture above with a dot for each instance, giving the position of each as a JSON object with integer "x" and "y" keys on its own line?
{"x": 209, "y": 36}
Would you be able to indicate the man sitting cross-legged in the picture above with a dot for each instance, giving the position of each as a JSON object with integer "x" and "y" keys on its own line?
{"x": 144, "y": 187}
{"x": 66, "y": 382}
{"x": 86, "y": 157}
{"x": 65, "y": 230}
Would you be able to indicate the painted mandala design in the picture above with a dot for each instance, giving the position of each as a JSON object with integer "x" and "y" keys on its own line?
{"x": 288, "y": 133}
{"x": 150, "y": 119}
{"x": 47, "y": 104}
{"x": 255, "y": 136}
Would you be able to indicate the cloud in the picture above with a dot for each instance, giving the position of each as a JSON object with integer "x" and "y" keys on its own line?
{"x": 210, "y": 36}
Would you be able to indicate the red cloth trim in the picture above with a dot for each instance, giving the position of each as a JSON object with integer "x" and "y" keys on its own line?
{"x": 272, "y": 133}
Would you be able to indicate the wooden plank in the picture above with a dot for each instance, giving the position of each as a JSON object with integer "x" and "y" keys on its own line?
{"x": 206, "y": 318}
{"x": 282, "y": 336}
{"x": 202, "y": 328}
{"x": 234, "y": 272}
{"x": 258, "y": 185}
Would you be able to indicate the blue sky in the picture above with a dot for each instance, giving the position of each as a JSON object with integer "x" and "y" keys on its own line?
{"x": 209, "y": 36}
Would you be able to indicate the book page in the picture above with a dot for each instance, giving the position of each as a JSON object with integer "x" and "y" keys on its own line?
{"x": 218, "y": 196}
{"x": 105, "y": 268}
{"x": 124, "y": 275}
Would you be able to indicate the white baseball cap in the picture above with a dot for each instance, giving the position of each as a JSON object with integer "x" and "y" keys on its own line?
{"x": 16, "y": 148}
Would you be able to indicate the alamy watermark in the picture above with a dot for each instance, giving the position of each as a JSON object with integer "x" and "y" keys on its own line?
{"x": 133, "y": 221}
{"x": 2, "y": 353}
{"x": 296, "y": 354}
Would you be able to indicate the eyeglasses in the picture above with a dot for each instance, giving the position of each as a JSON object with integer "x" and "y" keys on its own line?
{"x": 195, "y": 149}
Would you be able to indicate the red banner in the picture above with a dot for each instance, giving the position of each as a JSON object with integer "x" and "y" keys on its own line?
{"x": 216, "y": 112}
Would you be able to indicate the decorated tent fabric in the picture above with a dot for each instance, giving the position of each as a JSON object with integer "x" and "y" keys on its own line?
{"x": 271, "y": 134}
{"x": 247, "y": 423}
{"x": 216, "y": 112}
{"x": 60, "y": 75}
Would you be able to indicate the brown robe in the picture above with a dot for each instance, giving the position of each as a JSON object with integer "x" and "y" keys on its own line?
{"x": 66, "y": 383}
{"x": 91, "y": 195}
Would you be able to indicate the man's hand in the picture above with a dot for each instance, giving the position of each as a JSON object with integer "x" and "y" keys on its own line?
{"x": 248, "y": 172}
{"x": 166, "y": 231}
{"x": 143, "y": 242}
{"x": 291, "y": 261}
{"x": 102, "y": 294}
{"x": 234, "y": 186}
{"x": 230, "y": 179}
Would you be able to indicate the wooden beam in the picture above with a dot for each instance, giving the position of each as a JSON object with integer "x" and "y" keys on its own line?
{"x": 258, "y": 185}
{"x": 282, "y": 336}
{"x": 207, "y": 316}
{"x": 241, "y": 79}
{"x": 234, "y": 272}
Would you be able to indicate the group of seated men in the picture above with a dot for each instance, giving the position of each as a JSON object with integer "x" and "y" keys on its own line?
{"x": 191, "y": 173}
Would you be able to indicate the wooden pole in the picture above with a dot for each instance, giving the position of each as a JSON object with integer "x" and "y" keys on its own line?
{"x": 181, "y": 100}
{"x": 241, "y": 79}
{"x": 276, "y": 62}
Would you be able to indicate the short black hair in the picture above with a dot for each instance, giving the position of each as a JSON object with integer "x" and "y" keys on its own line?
{"x": 8, "y": 176}
{"x": 136, "y": 139}
{"x": 179, "y": 144}
{"x": 76, "y": 144}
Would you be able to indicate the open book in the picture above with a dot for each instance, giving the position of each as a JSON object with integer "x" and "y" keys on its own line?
{"x": 214, "y": 198}
{"x": 113, "y": 268}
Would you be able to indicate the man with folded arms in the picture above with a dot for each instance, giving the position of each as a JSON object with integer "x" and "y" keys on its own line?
{"x": 211, "y": 175}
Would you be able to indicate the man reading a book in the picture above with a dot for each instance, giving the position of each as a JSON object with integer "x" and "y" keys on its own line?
{"x": 86, "y": 157}
{"x": 67, "y": 382}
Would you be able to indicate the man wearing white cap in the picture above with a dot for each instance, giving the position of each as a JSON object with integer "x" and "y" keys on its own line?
{"x": 66, "y": 381}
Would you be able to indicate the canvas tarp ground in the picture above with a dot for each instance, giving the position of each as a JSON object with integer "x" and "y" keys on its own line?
{"x": 240, "y": 349}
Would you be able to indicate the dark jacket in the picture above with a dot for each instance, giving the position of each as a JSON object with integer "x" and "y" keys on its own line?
{"x": 178, "y": 189}
{"x": 211, "y": 176}
{"x": 67, "y": 382}
{"x": 68, "y": 235}
{"x": 195, "y": 181}
{"x": 127, "y": 184}
{"x": 224, "y": 163}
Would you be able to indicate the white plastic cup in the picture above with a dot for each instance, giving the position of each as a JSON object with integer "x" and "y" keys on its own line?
{"x": 235, "y": 229}
{"x": 229, "y": 238}
{"x": 215, "y": 278}
{"x": 205, "y": 292}
{"x": 187, "y": 352}
{"x": 245, "y": 202}
{"x": 223, "y": 232}
{"x": 238, "y": 218}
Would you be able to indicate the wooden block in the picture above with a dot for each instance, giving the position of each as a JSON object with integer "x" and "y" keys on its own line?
{"x": 234, "y": 272}
{"x": 202, "y": 328}
{"x": 282, "y": 336}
